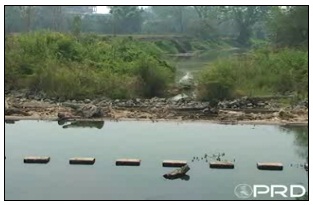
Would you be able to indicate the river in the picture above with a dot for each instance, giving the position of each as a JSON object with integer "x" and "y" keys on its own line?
{"x": 201, "y": 60}
{"x": 107, "y": 141}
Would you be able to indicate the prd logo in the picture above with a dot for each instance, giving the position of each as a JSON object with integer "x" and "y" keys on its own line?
{"x": 243, "y": 191}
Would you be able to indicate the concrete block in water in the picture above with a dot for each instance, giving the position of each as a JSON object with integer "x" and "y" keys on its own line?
{"x": 39, "y": 160}
{"x": 222, "y": 165}
{"x": 128, "y": 162}
{"x": 83, "y": 160}
{"x": 174, "y": 163}
{"x": 270, "y": 166}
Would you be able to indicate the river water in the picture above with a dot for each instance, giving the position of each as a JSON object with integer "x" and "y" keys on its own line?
{"x": 152, "y": 143}
{"x": 201, "y": 61}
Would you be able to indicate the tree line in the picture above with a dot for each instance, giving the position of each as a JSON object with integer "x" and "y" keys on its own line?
{"x": 282, "y": 25}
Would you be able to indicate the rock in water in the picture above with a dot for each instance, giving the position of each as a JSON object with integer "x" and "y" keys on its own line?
{"x": 90, "y": 111}
{"x": 177, "y": 173}
{"x": 187, "y": 80}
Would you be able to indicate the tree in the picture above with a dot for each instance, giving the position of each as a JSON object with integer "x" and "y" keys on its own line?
{"x": 289, "y": 25}
{"x": 209, "y": 17}
{"x": 12, "y": 18}
{"x": 76, "y": 26}
{"x": 205, "y": 14}
{"x": 173, "y": 18}
{"x": 27, "y": 13}
{"x": 126, "y": 19}
{"x": 57, "y": 16}
{"x": 245, "y": 17}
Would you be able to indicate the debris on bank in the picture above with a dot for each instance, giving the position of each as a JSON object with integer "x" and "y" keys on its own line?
{"x": 179, "y": 107}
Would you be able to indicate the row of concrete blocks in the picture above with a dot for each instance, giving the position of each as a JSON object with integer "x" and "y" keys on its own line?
{"x": 165, "y": 163}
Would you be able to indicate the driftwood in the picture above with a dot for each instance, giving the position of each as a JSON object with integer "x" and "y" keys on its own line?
{"x": 177, "y": 173}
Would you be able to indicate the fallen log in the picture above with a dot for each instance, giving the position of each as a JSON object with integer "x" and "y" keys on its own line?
{"x": 177, "y": 173}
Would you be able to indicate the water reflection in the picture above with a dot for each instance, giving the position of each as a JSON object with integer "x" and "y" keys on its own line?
{"x": 305, "y": 197}
{"x": 81, "y": 124}
{"x": 185, "y": 177}
{"x": 301, "y": 139}
{"x": 10, "y": 121}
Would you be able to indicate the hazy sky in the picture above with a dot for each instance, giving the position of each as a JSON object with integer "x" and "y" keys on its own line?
{"x": 105, "y": 10}
{"x": 102, "y": 9}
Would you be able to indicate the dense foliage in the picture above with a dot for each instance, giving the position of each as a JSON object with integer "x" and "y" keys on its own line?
{"x": 65, "y": 61}
{"x": 262, "y": 72}
{"x": 63, "y": 65}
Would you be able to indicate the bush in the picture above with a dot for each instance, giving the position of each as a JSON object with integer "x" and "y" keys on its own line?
{"x": 214, "y": 91}
{"x": 154, "y": 79}
{"x": 62, "y": 65}
{"x": 261, "y": 72}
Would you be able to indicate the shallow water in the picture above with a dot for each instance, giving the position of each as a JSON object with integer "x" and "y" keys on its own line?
{"x": 152, "y": 143}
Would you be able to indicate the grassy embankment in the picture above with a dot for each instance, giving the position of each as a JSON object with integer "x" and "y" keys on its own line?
{"x": 62, "y": 65}
{"x": 261, "y": 72}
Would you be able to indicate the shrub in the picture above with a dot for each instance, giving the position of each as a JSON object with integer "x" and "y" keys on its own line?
{"x": 261, "y": 72}
{"x": 214, "y": 91}
{"x": 154, "y": 78}
{"x": 62, "y": 65}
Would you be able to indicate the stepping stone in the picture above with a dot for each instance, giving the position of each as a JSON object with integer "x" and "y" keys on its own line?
{"x": 222, "y": 165}
{"x": 270, "y": 166}
{"x": 83, "y": 160}
{"x": 38, "y": 160}
{"x": 174, "y": 163}
{"x": 128, "y": 162}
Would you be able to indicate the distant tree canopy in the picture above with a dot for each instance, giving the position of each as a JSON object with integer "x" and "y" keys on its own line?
{"x": 283, "y": 26}
{"x": 289, "y": 26}
{"x": 245, "y": 18}
{"x": 126, "y": 19}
